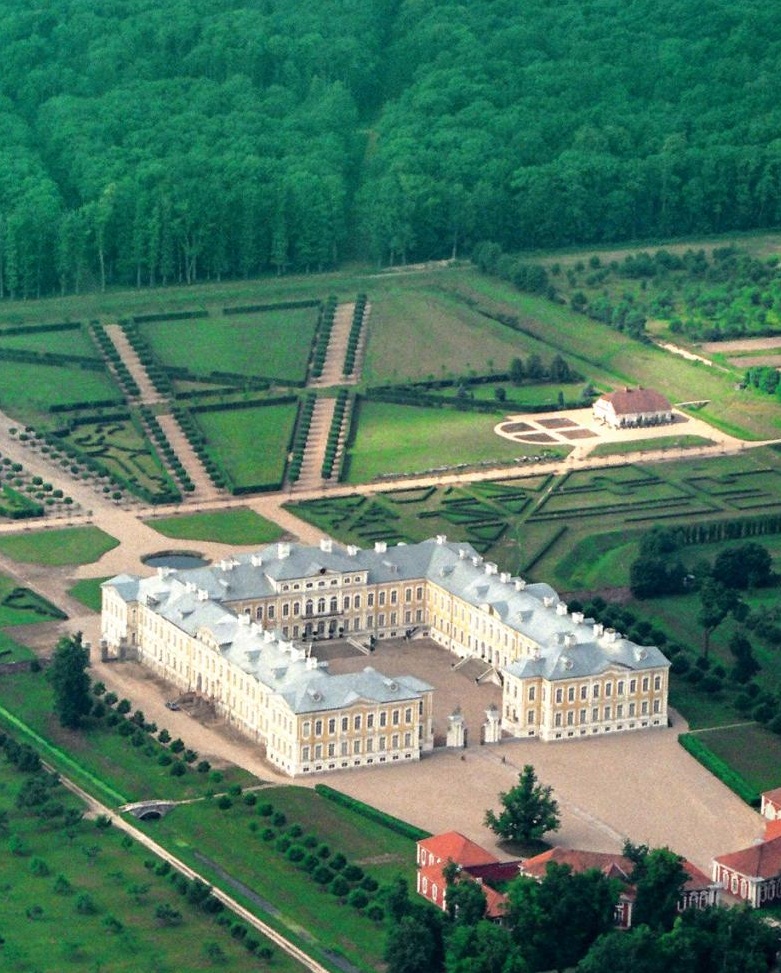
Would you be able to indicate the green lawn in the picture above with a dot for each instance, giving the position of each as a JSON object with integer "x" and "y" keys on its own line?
{"x": 74, "y": 341}
{"x": 79, "y": 897}
{"x": 88, "y": 592}
{"x": 752, "y": 750}
{"x": 239, "y": 525}
{"x": 271, "y": 344}
{"x": 227, "y": 837}
{"x": 99, "y": 752}
{"x": 70, "y": 545}
{"x": 29, "y": 390}
{"x": 660, "y": 442}
{"x": 407, "y": 439}
{"x": 251, "y": 443}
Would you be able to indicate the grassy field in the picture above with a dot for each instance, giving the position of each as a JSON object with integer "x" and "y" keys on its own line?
{"x": 27, "y": 390}
{"x": 80, "y": 897}
{"x": 271, "y": 344}
{"x": 407, "y": 439}
{"x": 662, "y": 442}
{"x": 74, "y": 341}
{"x": 131, "y": 770}
{"x": 87, "y": 591}
{"x": 752, "y": 750}
{"x": 71, "y": 545}
{"x": 250, "y": 444}
{"x": 238, "y": 525}
{"x": 233, "y": 837}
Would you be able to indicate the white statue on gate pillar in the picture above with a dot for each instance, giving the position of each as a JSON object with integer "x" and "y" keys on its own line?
{"x": 456, "y": 729}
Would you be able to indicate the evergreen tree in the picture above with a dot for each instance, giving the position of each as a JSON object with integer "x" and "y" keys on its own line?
{"x": 70, "y": 682}
{"x": 529, "y": 810}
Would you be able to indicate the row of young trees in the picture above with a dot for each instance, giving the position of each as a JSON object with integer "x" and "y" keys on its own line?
{"x": 148, "y": 144}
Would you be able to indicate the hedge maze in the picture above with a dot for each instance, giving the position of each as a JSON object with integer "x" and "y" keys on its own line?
{"x": 535, "y": 523}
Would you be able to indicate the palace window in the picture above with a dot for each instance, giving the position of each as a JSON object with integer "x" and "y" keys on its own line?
{"x": 382, "y": 598}
{"x": 345, "y": 724}
{"x": 657, "y": 682}
{"x": 308, "y": 606}
{"x": 320, "y": 606}
{"x": 259, "y": 612}
{"x": 332, "y": 725}
{"x": 531, "y": 693}
{"x": 645, "y": 684}
{"x": 571, "y": 694}
{"x": 270, "y": 613}
{"x": 318, "y": 728}
{"x": 370, "y": 600}
{"x": 357, "y": 601}
{"x": 583, "y": 692}
{"x": 357, "y": 722}
{"x": 394, "y": 596}
{"x": 632, "y": 685}
{"x": 408, "y": 594}
{"x": 346, "y": 602}
{"x": 369, "y": 721}
{"x": 383, "y": 718}
{"x": 559, "y": 695}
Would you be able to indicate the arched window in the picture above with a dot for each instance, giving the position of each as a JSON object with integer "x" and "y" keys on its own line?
{"x": 334, "y": 605}
{"x": 259, "y": 612}
{"x": 320, "y": 606}
{"x": 346, "y": 602}
{"x": 308, "y": 607}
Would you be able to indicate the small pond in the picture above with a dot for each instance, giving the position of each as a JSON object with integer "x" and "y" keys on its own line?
{"x": 176, "y": 559}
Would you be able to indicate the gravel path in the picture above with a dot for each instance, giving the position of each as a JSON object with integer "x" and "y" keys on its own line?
{"x": 204, "y": 488}
{"x": 149, "y": 394}
{"x": 337, "y": 349}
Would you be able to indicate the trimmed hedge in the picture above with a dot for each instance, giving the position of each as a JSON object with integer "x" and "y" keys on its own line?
{"x": 396, "y": 825}
{"x": 172, "y": 316}
{"x": 280, "y": 306}
{"x": 40, "y": 328}
{"x": 735, "y": 781}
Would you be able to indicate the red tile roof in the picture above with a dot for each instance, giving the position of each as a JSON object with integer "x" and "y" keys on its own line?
{"x": 762, "y": 860}
{"x": 773, "y": 829}
{"x": 697, "y": 879}
{"x": 454, "y": 846}
{"x": 614, "y": 866}
{"x": 631, "y": 401}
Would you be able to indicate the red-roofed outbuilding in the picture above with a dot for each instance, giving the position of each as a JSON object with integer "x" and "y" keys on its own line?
{"x": 753, "y": 873}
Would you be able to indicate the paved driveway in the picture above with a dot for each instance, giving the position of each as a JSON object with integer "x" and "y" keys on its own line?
{"x": 642, "y": 786}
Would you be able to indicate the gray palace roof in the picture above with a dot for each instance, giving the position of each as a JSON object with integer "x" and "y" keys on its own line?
{"x": 564, "y": 645}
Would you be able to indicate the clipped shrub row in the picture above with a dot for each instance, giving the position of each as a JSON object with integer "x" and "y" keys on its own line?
{"x": 112, "y": 356}
{"x": 197, "y": 440}
{"x": 279, "y": 306}
{"x": 355, "y": 335}
{"x": 40, "y": 328}
{"x": 166, "y": 449}
{"x": 736, "y": 783}
{"x": 57, "y": 408}
{"x": 50, "y": 358}
{"x": 157, "y": 374}
{"x": 306, "y": 852}
{"x": 334, "y": 435}
{"x": 172, "y": 316}
{"x": 325, "y": 326}
{"x": 300, "y": 436}
{"x": 372, "y": 813}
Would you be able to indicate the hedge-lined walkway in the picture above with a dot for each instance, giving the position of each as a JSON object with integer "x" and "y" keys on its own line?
{"x": 337, "y": 349}
{"x": 204, "y": 488}
{"x": 311, "y": 477}
{"x": 149, "y": 394}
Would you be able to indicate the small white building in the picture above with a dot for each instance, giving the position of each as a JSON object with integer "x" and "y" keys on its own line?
{"x": 633, "y": 407}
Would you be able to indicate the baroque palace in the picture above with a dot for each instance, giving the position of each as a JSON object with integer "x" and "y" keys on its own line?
{"x": 240, "y": 633}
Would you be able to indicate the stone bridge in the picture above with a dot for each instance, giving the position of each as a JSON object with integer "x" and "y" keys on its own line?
{"x": 149, "y": 810}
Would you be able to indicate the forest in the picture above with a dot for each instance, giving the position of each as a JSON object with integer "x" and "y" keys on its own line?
{"x": 146, "y": 143}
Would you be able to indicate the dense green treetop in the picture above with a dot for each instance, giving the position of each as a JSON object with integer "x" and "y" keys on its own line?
{"x": 151, "y": 142}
